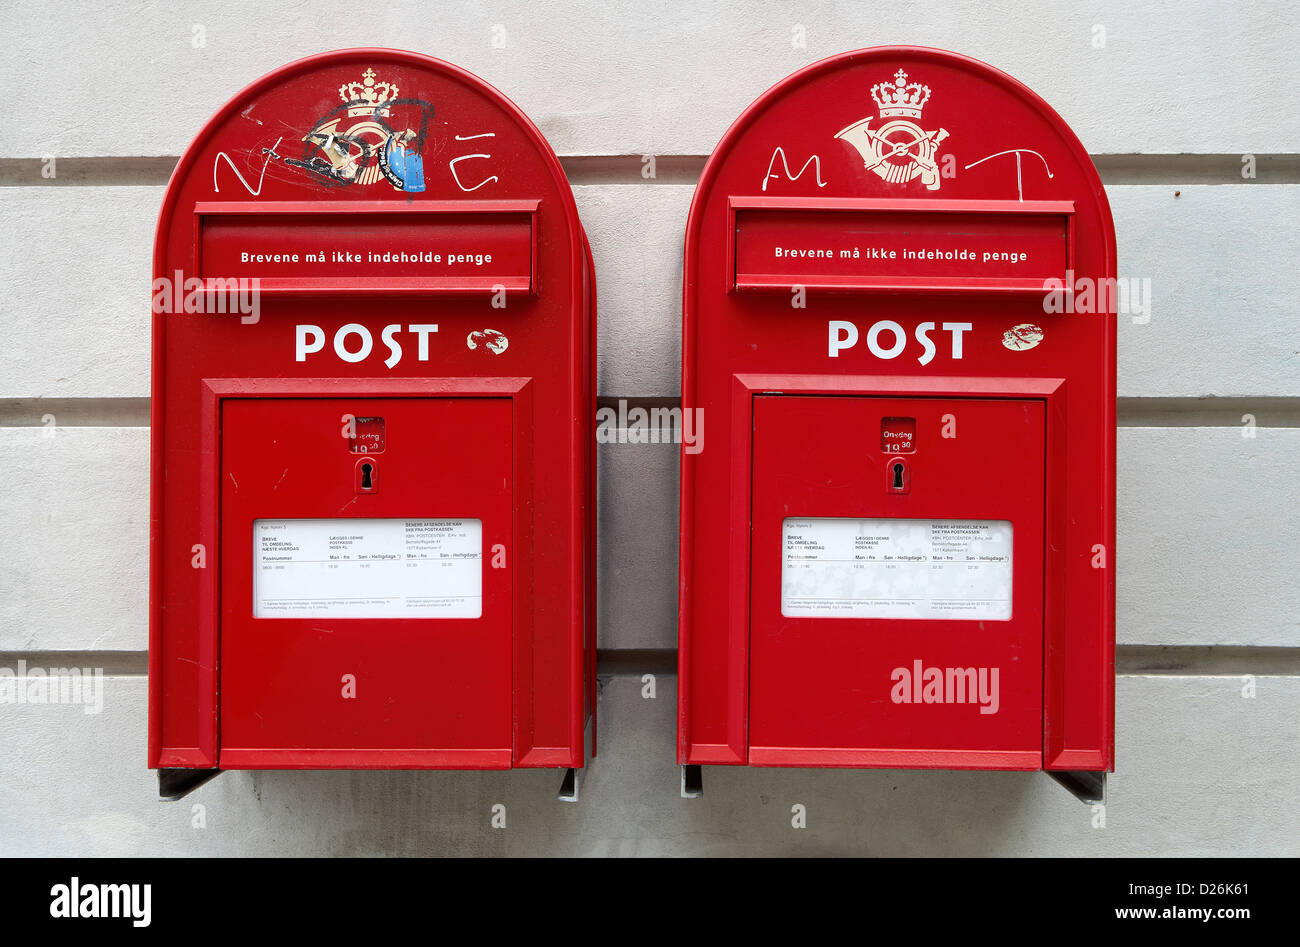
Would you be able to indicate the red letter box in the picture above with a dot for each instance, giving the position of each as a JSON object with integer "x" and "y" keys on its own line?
{"x": 373, "y": 350}
{"x": 897, "y": 545}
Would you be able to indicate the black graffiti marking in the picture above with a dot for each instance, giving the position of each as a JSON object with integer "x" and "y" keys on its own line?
{"x": 322, "y": 166}
{"x": 367, "y": 154}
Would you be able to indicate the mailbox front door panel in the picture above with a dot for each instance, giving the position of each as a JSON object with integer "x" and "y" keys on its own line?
{"x": 897, "y": 595}
{"x": 361, "y": 617}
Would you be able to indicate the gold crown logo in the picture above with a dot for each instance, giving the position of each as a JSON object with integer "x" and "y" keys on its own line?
{"x": 369, "y": 96}
{"x": 900, "y": 98}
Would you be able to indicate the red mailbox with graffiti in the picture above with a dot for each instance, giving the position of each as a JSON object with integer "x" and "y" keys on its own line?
{"x": 373, "y": 507}
{"x": 897, "y": 544}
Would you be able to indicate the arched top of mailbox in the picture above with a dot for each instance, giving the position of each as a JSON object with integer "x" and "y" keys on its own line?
{"x": 902, "y": 124}
{"x": 380, "y": 127}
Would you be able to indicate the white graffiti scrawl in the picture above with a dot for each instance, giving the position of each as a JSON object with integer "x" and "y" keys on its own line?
{"x": 269, "y": 152}
{"x": 1020, "y": 188}
{"x": 815, "y": 161}
{"x": 451, "y": 165}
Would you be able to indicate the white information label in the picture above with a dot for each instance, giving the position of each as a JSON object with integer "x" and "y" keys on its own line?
{"x": 367, "y": 568}
{"x": 840, "y": 567}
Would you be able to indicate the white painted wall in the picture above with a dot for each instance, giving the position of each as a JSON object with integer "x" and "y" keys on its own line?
{"x": 1208, "y": 518}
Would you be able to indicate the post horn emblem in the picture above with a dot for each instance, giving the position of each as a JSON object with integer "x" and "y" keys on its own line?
{"x": 899, "y": 150}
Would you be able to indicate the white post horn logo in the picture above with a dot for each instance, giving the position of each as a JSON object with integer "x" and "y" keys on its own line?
{"x": 899, "y": 150}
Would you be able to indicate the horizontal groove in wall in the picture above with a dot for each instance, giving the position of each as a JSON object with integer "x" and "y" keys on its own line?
{"x": 110, "y": 171}
{"x": 1139, "y": 660}
{"x": 633, "y": 169}
{"x": 630, "y": 663}
{"x": 112, "y": 663}
{"x": 614, "y": 403}
{"x": 1208, "y": 412}
{"x": 1133, "y": 412}
{"x": 1208, "y": 660}
{"x": 1196, "y": 169}
{"x": 74, "y": 412}
{"x": 86, "y": 172}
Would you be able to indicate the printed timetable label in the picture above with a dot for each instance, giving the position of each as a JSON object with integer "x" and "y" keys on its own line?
{"x": 367, "y": 568}
{"x": 842, "y": 567}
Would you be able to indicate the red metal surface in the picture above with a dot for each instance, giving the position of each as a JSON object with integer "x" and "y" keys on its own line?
{"x": 818, "y": 682}
{"x": 989, "y": 168}
{"x": 479, "y": 414}
{"x": 427, "y": 691}
{"x": 590, "y": 600}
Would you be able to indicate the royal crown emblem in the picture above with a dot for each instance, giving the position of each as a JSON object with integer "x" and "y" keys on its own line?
{"x": 899, "y": 151}
{"x": 367, "y": 97}
{"x": 900, "y": 98}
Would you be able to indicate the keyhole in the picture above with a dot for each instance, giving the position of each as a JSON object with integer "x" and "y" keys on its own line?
{"x": 898, "y": 476}
{"x": 365, "y": 477}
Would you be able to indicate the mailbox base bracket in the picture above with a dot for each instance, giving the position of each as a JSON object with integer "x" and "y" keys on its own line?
{"x": 692, "y": 781}
{"x": 569, "y": 786}
{"x": 1088, "y": 786}
{"x": 177, "y": 783}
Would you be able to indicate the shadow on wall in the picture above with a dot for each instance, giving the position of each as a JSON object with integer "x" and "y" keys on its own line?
{"x": 630, "y": 805}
